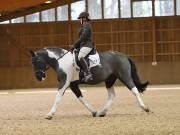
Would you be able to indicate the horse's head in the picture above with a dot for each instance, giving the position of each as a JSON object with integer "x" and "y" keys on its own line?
{"x": 39, "y": 66}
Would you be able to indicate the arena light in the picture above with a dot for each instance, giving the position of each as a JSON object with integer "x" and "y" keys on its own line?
{"x": 48, "y": 2}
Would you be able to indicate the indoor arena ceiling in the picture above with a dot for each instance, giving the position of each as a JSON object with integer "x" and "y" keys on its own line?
{"x": 12, "y": 5}
{"x": 14, "y": 8}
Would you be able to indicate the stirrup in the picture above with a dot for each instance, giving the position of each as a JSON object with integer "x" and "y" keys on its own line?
{"x": 87, "y": 77}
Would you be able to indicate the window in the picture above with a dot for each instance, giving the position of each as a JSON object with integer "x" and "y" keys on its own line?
{"x": 33, "y": 17}
{"x": 5, "y": 22}
{"x": 76, "y": 9}
{"x": 111, "y": 9}
{"x": 48, "y": 15}
{"x": 125, "y": 6}
{"x": 18, "y": 20}
{"x": 62, "y": 13}
{"x": 178, "y": 7}
{"x": 94, "y": 9}
{"x": 142, "y": 9}
{"x": 164, "y": 7}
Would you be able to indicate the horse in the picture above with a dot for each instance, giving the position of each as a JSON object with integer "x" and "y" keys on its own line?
{"x": 113, "y": 65}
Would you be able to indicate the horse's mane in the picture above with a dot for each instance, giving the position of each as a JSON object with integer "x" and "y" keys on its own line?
{"x": 58, "y": 51}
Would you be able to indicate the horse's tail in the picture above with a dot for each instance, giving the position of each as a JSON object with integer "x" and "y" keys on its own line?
{"x": 140, "y": 86}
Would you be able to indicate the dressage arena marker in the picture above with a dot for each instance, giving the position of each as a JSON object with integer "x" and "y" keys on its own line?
{"x": 34, "y": 92}
{"x": 3, "y": 93}
{"x": 163, "y": 88}
{"x": 68, "y": 91}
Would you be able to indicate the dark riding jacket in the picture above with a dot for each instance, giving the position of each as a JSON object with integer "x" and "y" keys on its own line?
{"x": 85, "y": 37}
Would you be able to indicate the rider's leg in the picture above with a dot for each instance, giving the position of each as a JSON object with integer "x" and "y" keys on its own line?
{"x": 84, "y": 51}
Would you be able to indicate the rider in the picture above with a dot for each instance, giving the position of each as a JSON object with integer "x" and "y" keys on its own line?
{"x": 84, "y": 43}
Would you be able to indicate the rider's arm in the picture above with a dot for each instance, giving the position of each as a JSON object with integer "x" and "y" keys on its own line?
{"x": 77, "y": 44}
{"x": 83, "y": 36}
{"x": 85, "y": 32}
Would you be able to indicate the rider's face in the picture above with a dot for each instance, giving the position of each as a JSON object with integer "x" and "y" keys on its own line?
{"x": 81, "y": 20}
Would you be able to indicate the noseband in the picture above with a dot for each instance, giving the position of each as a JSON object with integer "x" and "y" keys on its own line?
{"x": 39, "y": 70}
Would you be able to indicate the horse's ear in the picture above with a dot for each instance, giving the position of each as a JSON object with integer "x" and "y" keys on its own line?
{"x": 33, "y": 54}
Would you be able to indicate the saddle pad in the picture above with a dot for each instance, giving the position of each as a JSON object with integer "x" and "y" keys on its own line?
{"x": 94, "y": 60}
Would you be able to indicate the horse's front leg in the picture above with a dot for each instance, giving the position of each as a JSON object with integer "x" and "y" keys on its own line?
{"x": 61, "y": 90}
{"x": 111, "y": 95}
{"x": 75, "y": 88}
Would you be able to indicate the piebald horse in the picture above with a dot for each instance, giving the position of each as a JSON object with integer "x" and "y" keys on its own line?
{"x": 114, "y": 65}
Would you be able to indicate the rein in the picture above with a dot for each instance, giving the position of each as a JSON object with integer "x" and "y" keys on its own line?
{"x": 57, "y": 59}
{"x": 62, "y": 55}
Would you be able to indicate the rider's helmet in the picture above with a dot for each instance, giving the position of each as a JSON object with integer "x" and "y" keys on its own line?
{"x": 84, "y": 15}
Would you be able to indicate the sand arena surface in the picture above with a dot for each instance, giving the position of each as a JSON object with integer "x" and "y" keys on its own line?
{"x": 23, "y": 113}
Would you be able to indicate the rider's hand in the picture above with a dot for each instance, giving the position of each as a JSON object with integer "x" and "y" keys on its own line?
{"x": 72, "y": 48}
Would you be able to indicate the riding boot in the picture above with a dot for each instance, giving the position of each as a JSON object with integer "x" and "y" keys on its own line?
{"x": 87, "y": 75}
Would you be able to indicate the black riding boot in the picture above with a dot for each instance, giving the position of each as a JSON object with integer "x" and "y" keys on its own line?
{"x": 87, "y": 75}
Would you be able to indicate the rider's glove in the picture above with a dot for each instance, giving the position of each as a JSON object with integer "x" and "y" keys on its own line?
{"x": 72, "y": 48}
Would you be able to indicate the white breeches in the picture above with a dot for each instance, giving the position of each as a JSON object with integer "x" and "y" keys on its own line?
{"x": 84, "y": 52}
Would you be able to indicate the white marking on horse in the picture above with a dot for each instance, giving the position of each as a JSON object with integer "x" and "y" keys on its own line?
{"x": 111, "y": 95}
{"x": 139, "y": 98}
{"x": 86, "y": 104}
{"x": 57, "y": 100}
{"x": 66, "y": 64}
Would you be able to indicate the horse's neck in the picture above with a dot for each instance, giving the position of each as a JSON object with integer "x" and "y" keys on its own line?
{"x": 57, "y": 54}
{"x": 55, "y": 60}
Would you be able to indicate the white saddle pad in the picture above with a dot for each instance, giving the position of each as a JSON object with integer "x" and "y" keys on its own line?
{"x": 94, "y": 60}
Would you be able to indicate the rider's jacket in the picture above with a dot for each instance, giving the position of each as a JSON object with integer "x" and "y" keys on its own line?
{"x": 85, "y": 37}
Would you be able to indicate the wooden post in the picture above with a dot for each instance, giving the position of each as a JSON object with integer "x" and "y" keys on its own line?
{"x": 119, "y": 8}
{"x": 131, "y": 2}
{"x": 175, "y": 11}
{"x": 40, "y": 16}
{"x": 69, "y": 26}
{"x": 86, "y": 4}
{"x": 154, "y": 59}
{"x": 102, "y": 5}
{"x": 56, "y": 14}
{"x": 25, "y": 21}
{"x": 112, "y": 47}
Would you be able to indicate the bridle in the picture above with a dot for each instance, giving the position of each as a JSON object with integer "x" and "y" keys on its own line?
{"x": 43, "y": 70}
{"x": 40, "y": 70}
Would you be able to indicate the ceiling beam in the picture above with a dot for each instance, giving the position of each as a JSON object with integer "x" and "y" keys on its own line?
{"x": 34, "y": 9}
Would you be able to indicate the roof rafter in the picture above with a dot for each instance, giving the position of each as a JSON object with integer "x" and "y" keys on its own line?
{"x": 33, "y": 9}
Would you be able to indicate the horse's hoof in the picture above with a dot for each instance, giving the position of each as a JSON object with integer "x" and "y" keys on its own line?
{"x": 94, "y": 114}
{"x": 102, "y": 115}
{"x": 147, "y": 110}
{"x": 48, "y": 117}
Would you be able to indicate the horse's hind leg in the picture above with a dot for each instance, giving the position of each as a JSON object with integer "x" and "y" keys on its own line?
{"x": 139, "y": 99}
{"x": 75, "y": 89}
{"x": 111, "y": 94}
{"x": 127, "y": 80}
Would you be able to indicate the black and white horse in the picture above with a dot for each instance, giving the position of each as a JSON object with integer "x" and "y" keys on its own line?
{"x": 114, "y": 65}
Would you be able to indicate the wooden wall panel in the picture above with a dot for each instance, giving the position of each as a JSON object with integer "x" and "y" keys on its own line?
{"x": 21, "y": 37}
{"x": 131, "y": 36}
{"x": 134, "y": 37}
{"x": 168, "y": 39}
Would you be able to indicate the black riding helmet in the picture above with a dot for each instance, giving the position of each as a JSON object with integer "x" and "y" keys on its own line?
{"x": 84, "y": 15}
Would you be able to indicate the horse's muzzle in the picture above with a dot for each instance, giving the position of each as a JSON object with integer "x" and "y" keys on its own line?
{"x": 40, "y": 76}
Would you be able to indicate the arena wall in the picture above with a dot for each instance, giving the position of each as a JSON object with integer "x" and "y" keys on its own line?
{"x": 145, "y": 40}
